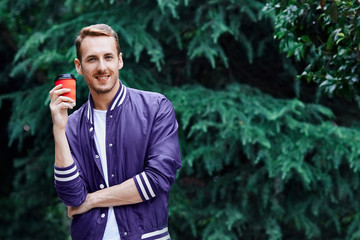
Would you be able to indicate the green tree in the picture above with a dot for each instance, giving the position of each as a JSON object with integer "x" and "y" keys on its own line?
{"x": 256, "y": 164}
{"x": 325, "y": 35}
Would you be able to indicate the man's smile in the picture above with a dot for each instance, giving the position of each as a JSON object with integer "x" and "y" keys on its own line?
{"x": 102, "y": 78}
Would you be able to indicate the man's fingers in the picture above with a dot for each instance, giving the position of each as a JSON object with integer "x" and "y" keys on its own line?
{"x": 58, "y": 92}
{"x": 55, "y": 88}
{"x": 67, "y": 105}
{"x": 69, "y": 212}
{"x": 53, "y": 92}
{"x": 60, "y": 100}
{"x": 64, "y": 99}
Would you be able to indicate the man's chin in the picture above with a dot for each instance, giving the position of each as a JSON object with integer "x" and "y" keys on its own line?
{"x": 102, "y": 90}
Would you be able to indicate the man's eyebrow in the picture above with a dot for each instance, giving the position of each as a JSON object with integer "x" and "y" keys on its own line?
{"x": 90, "y": 56}
{"x": 95, "y": 56}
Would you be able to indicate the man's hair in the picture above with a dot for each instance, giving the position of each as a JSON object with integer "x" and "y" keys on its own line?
{"x": 95, "y": 31}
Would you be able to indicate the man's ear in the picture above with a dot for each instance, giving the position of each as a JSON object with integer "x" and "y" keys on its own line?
{"x": 78, "y": 66}
{"x": 121, "y": 63}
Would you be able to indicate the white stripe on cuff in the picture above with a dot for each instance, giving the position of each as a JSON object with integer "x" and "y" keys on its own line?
{"x": 148, "y": 184}
{"x": 158, "y": 232}
{"x": 67, "y": 179}
{"x": 63, "y": 172}
{"x": 142, "y": 187}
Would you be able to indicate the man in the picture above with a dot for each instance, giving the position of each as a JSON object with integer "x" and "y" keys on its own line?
{"x": 117, "y": 155}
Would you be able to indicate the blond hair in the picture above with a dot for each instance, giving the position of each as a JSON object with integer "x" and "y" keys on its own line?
{"x": 95, "y": 31}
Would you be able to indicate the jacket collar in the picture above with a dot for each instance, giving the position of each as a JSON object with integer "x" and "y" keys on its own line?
{"x": 116, "y": 102}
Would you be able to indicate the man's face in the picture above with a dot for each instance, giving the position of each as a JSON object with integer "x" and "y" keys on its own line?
{"x": 100, "y": 64}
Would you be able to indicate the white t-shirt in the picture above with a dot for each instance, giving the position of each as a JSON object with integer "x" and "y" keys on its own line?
{"x": 111, "y": 230}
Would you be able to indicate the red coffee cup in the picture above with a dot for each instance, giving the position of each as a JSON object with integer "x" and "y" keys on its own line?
{"x": 67, "y": 81}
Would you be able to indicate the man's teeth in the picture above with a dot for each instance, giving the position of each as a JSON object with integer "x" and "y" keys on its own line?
{"x": 103, "y": 78}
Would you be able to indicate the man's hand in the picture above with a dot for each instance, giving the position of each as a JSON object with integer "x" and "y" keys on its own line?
{"x": 59, "y": 105}
{"x": 83, "y": 208}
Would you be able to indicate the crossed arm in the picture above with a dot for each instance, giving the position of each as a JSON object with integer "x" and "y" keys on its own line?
{"x": 122, "y": 194}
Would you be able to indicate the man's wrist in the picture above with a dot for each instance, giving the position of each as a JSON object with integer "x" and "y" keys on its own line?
{"x": 90, "y": 201}
{"x": 57, "y": 131}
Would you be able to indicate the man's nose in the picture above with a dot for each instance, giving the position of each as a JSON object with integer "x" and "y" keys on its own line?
{"x": 101, "y": 65}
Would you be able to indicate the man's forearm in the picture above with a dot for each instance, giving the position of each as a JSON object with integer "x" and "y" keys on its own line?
{"x": 123, "y": 194}
{"x": 63, "y": 156}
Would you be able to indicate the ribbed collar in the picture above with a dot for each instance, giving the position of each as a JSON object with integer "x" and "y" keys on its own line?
{"x": 116, "y": 102}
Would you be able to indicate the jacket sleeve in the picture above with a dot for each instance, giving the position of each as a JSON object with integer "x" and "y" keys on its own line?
{"x": 163, "y": 154}
{"x": 70, "y": 184}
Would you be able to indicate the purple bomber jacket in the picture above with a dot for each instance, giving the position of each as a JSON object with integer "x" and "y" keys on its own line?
{"x": 141, "y": 143}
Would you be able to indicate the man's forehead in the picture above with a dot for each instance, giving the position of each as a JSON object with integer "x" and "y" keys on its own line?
{"x": 93, "y": 45}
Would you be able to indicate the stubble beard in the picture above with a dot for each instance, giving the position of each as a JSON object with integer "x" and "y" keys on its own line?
{"x": 99, "y": 90}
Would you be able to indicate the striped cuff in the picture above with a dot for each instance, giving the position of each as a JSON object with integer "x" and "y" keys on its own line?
{"x": 66, "y": 174}
{"x": 162, "y": 234}
{"x": 143, "y": 186}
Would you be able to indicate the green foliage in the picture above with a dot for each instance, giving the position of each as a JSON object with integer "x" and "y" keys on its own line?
{"x": 255, "y": 166}
{"x": 139, "y": 34}
{"x": 324, "y": 34}
{"x": 155, "y": 37}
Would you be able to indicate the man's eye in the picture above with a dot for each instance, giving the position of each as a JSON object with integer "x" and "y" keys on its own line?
{"x": 109, "y": 57}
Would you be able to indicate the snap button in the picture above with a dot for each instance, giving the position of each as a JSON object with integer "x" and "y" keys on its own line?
{"x": 110, "y": 145}
{"x": 112, "y": 175}
{"x": 103, "y": 215}
{"x": 96, "y": 156}
{"x": 101, "y": 186}
{"x": 111, "y": 116}
{"x": 125, "y": 233}
{"x": 91, "y": 129}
